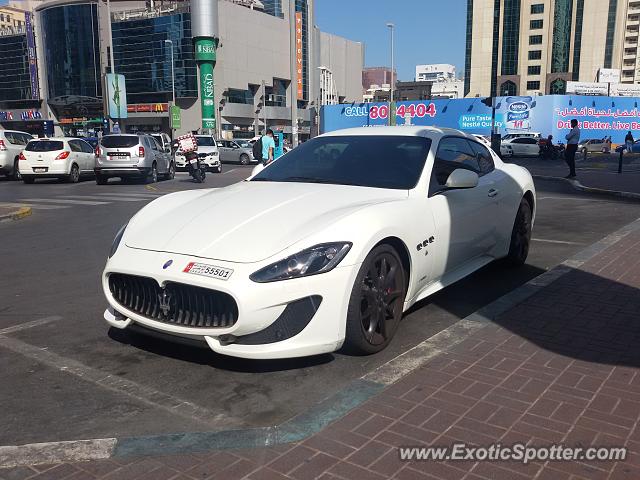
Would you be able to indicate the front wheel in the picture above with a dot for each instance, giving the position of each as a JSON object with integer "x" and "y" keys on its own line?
{"x": 28, "y": 180}
{"x": 376, "y": 302}
{"x": 153, "y": 174}
{"x": 219, "y": 169}
{"x": 171, "y": 174}
{"x": 520, "y": 235}
{"x": 244, "y": 159}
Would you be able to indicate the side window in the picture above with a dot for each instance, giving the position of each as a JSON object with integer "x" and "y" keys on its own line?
{"x": 532, "y": 141}
{"x": 453, "y": 153}
{"x": 86, "y": 148}
{"x": 11, "y": 138}
{"x": 25, "y": 138}
{"x": 519, "y": 140}
{"x": 485, "y": 160}
{"x": 156, "y": 144}
{"x": 74, "y": 145}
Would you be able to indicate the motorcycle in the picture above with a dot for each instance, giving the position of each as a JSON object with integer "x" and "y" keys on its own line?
{"x": 552, "y": 152}
{"x": 196, "y": 168}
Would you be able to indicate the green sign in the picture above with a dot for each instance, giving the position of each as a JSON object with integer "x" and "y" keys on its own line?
{"x": 205, "y": 50}
{"x": 174, "y": 114}
{"x": 206, "y": 95}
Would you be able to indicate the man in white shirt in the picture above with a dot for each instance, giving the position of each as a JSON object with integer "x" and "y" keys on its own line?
{"x": 573, "y": 138}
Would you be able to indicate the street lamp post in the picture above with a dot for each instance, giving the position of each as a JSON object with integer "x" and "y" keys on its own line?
{"x": 173, "y": 85}
{"x": 113, "y": 65}
{"x": 391, "y": 27}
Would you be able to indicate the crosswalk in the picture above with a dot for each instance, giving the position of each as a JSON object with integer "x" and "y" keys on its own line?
{"x": 69, "y": 201}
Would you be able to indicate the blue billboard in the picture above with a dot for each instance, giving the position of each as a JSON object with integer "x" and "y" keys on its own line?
{"x": 548, "y": 115}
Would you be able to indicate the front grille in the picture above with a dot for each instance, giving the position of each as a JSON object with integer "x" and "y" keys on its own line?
{"x": 175, "y": 304}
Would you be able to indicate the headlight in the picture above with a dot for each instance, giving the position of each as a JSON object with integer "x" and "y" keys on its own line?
{"x": 116, "y": 241}
{"x": 312, "y": 261}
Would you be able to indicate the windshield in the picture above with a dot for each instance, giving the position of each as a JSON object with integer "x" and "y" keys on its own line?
{"x": 44, "y": 146}
{"x": 119, "y": 141}
{"x": 369, "y": 161}
{"x": 206, "y": 141}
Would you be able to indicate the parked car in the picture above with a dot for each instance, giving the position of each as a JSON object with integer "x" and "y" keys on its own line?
{"x": 520, "y": 147}
{"x": 164, "y": 141}
{"x": 207, "y": 152}
{"x": 129, "y": 156}
{"x": 337, "y": 256}
{"x": 58, "y": 157}
{"x": 510, "y": 136}
{"x": 593, "y": 145}
{"x": 237, "y": 151}
{"x": 12, "y": 142}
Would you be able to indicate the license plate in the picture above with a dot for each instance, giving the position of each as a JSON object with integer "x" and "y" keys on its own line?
{"x": 39, "y": 170}
{"x": 193, "y": 161}
{"x": 208, "y": 271}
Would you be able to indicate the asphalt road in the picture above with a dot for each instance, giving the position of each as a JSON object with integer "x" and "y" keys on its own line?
{"x": 65, "y": 375}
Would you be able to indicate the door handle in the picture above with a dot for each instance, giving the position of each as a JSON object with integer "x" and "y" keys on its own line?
{"x": 493, "y": 192}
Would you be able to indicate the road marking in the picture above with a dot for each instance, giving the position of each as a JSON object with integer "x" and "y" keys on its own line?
{"x": 114, "y": 197}
{"x": 71, "y": 202}
{"x": 34, "y": 207}
{"x": 149, "y": 187}
{"x": 232, "y": 170}
{"x": 31, "y": 324}
{"x": 57, "y": 452}
{"x": 147, "y": 395}
{"x": 562, "y": 242}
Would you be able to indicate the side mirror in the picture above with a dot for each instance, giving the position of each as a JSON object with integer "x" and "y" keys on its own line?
{"x": 462, "y": 178}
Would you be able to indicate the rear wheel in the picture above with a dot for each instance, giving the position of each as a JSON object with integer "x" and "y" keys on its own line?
{"x": 521, "y": 235}
{"x": 16, "y": 170}
{"x": 244, "y": 159}
{"x": 376, "y": 302}
{"x": 74, "y": 174}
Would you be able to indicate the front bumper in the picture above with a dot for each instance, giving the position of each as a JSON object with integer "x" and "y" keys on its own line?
{"x": 268, "y": 313}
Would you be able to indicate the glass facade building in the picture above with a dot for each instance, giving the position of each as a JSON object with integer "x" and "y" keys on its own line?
{"x": 494, "y": 50}
{"x": 273, "y": 7}
{"x": 15, "y": 79}
{"x": 510, "y": 37}
{"x": 577, "y": 41}
{"x": 142, "y": 56}
{"x": 561, "y": 36}
{"x": 71, "y": 50}
{"x": 611, "y": 30}
{"x": 469, "y": 44}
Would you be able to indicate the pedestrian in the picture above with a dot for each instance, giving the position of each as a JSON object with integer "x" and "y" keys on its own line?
{"x": 573, "y": 138}
{"x": 268, "y": 147}
{"x": 628, "y": 142}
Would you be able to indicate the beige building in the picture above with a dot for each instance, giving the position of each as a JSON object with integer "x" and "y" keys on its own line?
{"x": 530, "y": 47}
{"x": 11, "y": 17}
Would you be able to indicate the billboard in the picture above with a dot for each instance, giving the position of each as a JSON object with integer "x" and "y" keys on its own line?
{"x": 547, "y": 115}
{"x": 299, "y": 55}
{"x": 116, "y": 95}
{"x": 31, "y": 52}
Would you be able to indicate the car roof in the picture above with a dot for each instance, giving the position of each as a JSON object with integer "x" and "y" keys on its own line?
{"x": 409, "y": 131}
{"x": 14, "y": 131}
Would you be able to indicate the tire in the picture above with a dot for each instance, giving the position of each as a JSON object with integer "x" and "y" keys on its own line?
{"x": 74, "y": 174}
{"x": 171, "y": 174}
{"x": 244, "y": 159}
{"x": 376, "y": 302}
{"x": 153, "y": 174}
{"x": 28, "y": 180}
{"x": 520, "y": 235}
{"x": 219, "y": 169}
{"x": 16, "y": 171}
{"x": 101, "y": 180}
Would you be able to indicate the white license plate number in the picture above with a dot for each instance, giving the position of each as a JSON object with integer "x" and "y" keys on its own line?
{"x": 210, "y": 271}
{"x": 39, "y": 170}
{"x": 193, "y": 161}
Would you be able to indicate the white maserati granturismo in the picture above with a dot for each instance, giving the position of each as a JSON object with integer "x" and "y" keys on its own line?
{"x": 326, "y": 247}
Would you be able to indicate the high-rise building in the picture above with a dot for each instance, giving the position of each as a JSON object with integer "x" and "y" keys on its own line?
{"x": 273, "y": 7}
{"x": 529, "y": 47}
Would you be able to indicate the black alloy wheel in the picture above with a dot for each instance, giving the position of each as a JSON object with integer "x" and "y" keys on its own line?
{"x": 521, "y": 235}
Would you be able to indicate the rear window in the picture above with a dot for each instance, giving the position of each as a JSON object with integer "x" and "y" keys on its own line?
{"x": 206, "y": 142}
{"x": 120, "y": 141}
{"x": 44, "y": 146}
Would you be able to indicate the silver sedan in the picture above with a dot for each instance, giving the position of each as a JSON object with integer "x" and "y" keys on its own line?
{"x": 236, "y": 151}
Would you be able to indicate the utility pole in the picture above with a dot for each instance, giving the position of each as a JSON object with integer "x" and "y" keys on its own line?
{"x": 392, "y": 110}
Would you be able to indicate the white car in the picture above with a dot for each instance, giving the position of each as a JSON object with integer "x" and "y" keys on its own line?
{"x": 207, "y": 151}
{"x": 520, "y": 147}
{"x": 325, "y": 247}
{"x": 64, "y": 158}
{"x": 11, "y": 144}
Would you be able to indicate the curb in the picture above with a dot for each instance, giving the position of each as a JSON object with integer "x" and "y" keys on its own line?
{"x": 582, "y": 188}
{"x": 326, "y": 411}
{"x": 16, "y": 215}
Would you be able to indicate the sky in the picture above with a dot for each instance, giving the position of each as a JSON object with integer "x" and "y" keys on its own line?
{"x": 427, "y": 31}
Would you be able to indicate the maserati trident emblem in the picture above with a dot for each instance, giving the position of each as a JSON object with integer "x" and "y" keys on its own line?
{"x": 165, "y": 302}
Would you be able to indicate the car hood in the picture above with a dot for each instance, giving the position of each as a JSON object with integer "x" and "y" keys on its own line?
{"x": 247, "y": 222}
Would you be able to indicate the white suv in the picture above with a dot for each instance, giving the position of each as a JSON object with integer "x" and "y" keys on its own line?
{"x": 207, "y": 151}
{"x": 11, "y": 144}
{"x": 64, "y": 158}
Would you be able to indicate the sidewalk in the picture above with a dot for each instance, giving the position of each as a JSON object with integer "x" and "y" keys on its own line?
{"x": 598, "y": 171}
{"x": 561, "y": 366}
{"x": 12, "y": 213}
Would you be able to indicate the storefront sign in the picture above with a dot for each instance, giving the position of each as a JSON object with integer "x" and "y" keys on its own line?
{"x": 205, "y": 50}
{"x": 587, "y": 88}
{"x": 24, "y": 115}
{"x": 6, "y": 116}
{"x": 299, "y": 55}
{"x": 176, "y": 119}
{"x": 30, "y": 115}
{"x": 148, "y": 107}
{"x": 31, "y": 51}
